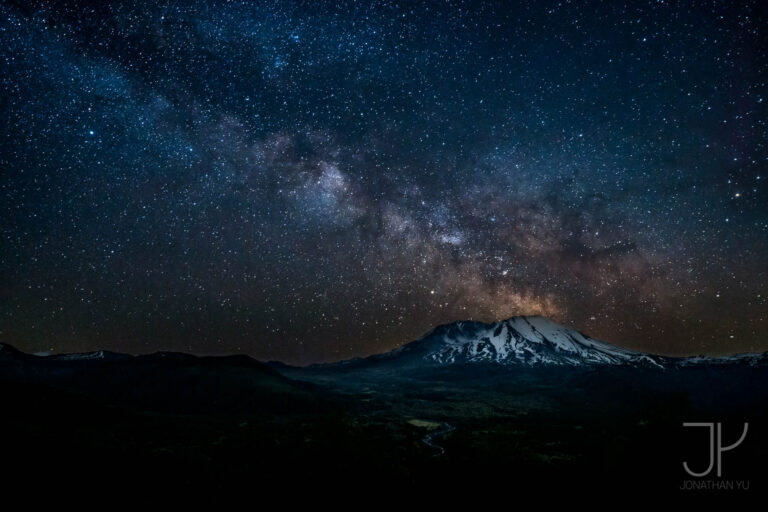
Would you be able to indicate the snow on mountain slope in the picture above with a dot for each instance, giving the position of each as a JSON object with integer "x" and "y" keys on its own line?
{"x": 526, "y": 340}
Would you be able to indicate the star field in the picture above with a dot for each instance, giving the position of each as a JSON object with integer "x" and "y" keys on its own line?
{"x": 316, "y": 181}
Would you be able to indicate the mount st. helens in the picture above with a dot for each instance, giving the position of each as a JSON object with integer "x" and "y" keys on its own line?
{"x": 529, "y": 341}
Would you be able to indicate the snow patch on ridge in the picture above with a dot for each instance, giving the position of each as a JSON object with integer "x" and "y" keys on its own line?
{"x": 81, "y": 357}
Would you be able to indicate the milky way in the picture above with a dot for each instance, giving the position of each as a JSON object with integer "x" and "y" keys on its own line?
{"x": 316, "y": 181}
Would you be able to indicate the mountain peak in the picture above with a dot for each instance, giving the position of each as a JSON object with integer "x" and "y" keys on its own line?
{"x": 529, "y": 339}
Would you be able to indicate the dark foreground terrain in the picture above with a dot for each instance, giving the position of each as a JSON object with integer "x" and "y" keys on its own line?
{"x": 174, "y": 423}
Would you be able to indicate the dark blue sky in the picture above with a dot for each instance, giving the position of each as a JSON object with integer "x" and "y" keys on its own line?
{"x": 315, "y": 181}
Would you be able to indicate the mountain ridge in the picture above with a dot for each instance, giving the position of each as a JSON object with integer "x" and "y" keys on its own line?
{"x": 525, "y": 340}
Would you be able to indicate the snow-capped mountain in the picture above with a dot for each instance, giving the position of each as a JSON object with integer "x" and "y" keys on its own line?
{"x": 532, "y": 341}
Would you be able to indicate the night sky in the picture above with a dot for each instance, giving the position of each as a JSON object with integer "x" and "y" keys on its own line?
{"x": 316, "y": 181}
